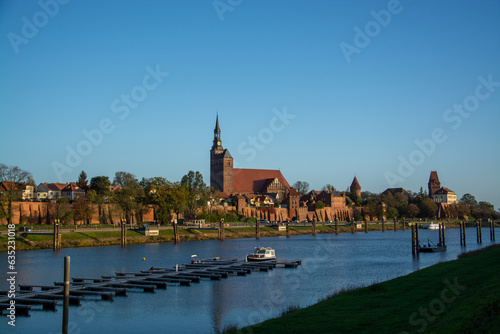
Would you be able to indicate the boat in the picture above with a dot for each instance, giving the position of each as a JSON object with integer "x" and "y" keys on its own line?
{"x": 262, "y": 254}
{"x": 431, "y": 247}
{"x": 431, "y": 226}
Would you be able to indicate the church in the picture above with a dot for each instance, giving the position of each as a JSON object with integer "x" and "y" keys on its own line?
{"x": 232, "y": 181}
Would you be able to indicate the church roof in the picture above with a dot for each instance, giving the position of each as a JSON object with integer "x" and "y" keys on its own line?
{"x": 254, "y": 180}
{"x": 226, "y": 154}
{"x": 217, "y": 128}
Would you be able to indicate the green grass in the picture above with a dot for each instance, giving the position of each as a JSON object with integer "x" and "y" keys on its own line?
{"x": 400, "y": 305}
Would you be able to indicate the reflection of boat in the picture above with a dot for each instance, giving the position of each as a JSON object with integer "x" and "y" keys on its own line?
{"x": 431, "y": 247}
{"x": 262, "y": 254}
{"x": 431, "y": 226}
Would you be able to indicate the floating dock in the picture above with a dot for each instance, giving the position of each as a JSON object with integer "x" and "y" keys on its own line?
{"x": 107, "y": 287}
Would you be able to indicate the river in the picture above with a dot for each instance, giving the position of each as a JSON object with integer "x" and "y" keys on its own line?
{"x": 329, "y": 263}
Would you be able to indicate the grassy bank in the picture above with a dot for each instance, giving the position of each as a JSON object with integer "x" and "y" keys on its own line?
{"x": 461, "y": 296}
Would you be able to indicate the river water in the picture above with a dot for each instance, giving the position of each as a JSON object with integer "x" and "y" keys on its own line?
{"x": 329, "y": 263}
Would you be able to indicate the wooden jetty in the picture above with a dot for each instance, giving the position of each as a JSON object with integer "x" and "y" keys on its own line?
{"x": 106, "y": 287}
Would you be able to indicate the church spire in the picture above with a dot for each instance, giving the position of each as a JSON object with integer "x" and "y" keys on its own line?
{"x": 217, "y": 145}
{"x": 217, "y": 129}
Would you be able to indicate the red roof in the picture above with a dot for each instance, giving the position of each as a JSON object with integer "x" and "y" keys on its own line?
{"x": 254, "y": 180}
{"x": 433, "y": 177}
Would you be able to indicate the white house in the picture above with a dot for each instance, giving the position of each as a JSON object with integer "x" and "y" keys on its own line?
{"x": 444, "y": 195}
{"x": 49, "y": 190}
{"x": 72, "y": 191}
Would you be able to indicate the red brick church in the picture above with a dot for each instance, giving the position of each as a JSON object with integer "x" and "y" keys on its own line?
{"x": 241, "y": 181}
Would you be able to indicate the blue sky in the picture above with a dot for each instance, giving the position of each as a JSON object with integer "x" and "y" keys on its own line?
{"x": 323, "y": 90}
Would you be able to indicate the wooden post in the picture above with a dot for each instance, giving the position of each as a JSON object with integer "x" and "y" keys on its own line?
{"x": 383, "y": 225}
{"x": 404, "y": 224}
{"x": 440, "y": 233}
{"x": 177, "y": 237}
{"x": 124, "y": 232}
{"x": 287, "y": 229}
{"x": 221, "y": 229}
{"x": 395, "y": 226}
{"x": 443, "y": 238}
{"x": 66, "y": 295}
{"x": 413, "y": 239}
{"x": 257, "y": 229}
{"x": 417, "y": 239}
{"x": 366, "y": 226}
{"x": 314, "y": 227}
{"x": 492, "y": 231}
{"x": 336, "y": 226}
{"x": 56, "y": 235}
{"x": 479, "y": 236}
{"x": 461, "y": 225}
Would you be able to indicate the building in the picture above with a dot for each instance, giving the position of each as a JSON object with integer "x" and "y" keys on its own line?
{"x": 395, "y": 191}
{"x": 72, "y": 191}
{"x": 49, "y": 191}
{"x": 355, "y": 187}
{"x": 444, "y": 195}
{"x": 433, "y": 184}
{"x": 23, "y": 191}
{"x": 241, "y": 181}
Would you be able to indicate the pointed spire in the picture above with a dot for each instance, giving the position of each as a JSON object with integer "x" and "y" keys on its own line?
{"x": 217, "y": 129}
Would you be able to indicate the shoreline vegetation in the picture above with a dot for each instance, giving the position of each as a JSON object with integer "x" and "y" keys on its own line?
{"x": 459, "y": 296}
{"x": 107, "y": 235}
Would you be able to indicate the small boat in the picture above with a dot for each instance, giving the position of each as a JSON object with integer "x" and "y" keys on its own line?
{"x": 431, "y": 247}
{"x": 262, "y": 254}
{"x": 431, "y": 226}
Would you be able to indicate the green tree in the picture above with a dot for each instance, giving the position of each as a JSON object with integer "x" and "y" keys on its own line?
{"x": 391, "y": 212}
{"x": 13, "y": 179}
{"x": 328, "y": 188}
{"x": 82, "y": 209}
{"x": 319, "y": 205}
{"x": 130, "y": 194}
{"x": 82, "y": 181}
{"x": 196, "y": 190}
{"x": 412, "y": 210}
{"x": 428, "y": 208}
{"x": 484, "y": 210}
{"x": 99, "y": 194}
{"x": 159, "y": 192}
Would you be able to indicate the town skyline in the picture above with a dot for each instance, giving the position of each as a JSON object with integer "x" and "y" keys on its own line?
{"x": 310, "y": 90}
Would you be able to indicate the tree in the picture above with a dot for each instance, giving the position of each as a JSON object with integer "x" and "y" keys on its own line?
{"x": 130, "y": 195}
{"x": 319, "y": 205}
{"x": 428, "y": 208}
{"x": 12, "y": 178}
{"x": 412, "y": 210}
{"x": 328, "y": 188}
{"x": 99, "y": 193}
{"x": 391, "y": 212}
{"x": 469, "y": 200}
{"x": 159, "y": 191}
{"x": 82, "y": 181}
{"x": 82, "y": 209}
{"x": 196, "y": 190}
{"x": 302, "y": 187}
{"x": 61, "y": 209}
{"x": 484, "y": 210}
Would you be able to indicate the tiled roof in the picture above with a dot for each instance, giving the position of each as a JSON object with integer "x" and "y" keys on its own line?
{"x": 433, "y": 177}
{"x": 254, "y": 180}
{"x": 444, "y": 190}
{"x": 355, "y": 183}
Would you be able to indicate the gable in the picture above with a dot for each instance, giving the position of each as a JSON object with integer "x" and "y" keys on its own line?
{"x": 256, "y": 180}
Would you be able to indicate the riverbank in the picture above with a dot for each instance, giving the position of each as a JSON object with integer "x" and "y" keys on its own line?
{"x": 95, "y": 237}
{"x": 460, "y": 296}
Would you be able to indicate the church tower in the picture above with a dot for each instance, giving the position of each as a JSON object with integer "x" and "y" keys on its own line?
{"x": 221, "y": 164}
{"x": 355, "y": 187}
{"x": 434, "y": 183}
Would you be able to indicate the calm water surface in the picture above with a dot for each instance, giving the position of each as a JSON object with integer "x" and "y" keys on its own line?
{"x": 330, "y": 263}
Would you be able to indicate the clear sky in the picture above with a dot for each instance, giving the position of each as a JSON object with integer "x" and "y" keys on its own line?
{"x": 323, "y": 90}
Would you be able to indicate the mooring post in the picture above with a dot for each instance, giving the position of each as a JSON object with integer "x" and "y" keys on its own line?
{"x": 492, "y": 231}
{"x": 288, "y": 229}
{"x": 66, "y": 296}
{"x": 479, "y": 237}
{"x": 177, "y": 237}
{"x": 221, "y": 229}
{"x": 383, "y": 225}
{"x": 395, "y": 226}
{"x": 417, "y": 239}
{"x": 440, "y": 232}
{"x": 257, "y": 229}
{"x": 336, "y": 226}
{"x": 404, "y": 224}
{"x": 443, "y": 232}
{"x": 314, "y": 227}
{"x": 56, "y": 234}
{"x": 413, "y": 239}
{"x": 353, "y": 224}
{"x": 366, "y": 226}
{"x": 465, "y": 242}
{"x": 124, "y": 232}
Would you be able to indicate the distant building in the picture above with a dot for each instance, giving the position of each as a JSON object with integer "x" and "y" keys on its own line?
{"x": 240, "y": 181}
{"x": 433, "y": 184}
{"x": 49, "y": 190}
{"x": 395, "y": 191}
{"x": 72, "y": 191}
{"x": 444, "y": 195}
{"x": 355, "y": 187}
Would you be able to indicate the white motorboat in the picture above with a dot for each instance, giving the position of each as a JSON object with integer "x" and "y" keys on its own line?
{"x": 262, "y": 254}
{"x": 431, "y": 226}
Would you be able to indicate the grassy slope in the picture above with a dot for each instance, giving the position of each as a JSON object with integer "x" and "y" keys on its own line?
{"x": 387, "y": 307}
